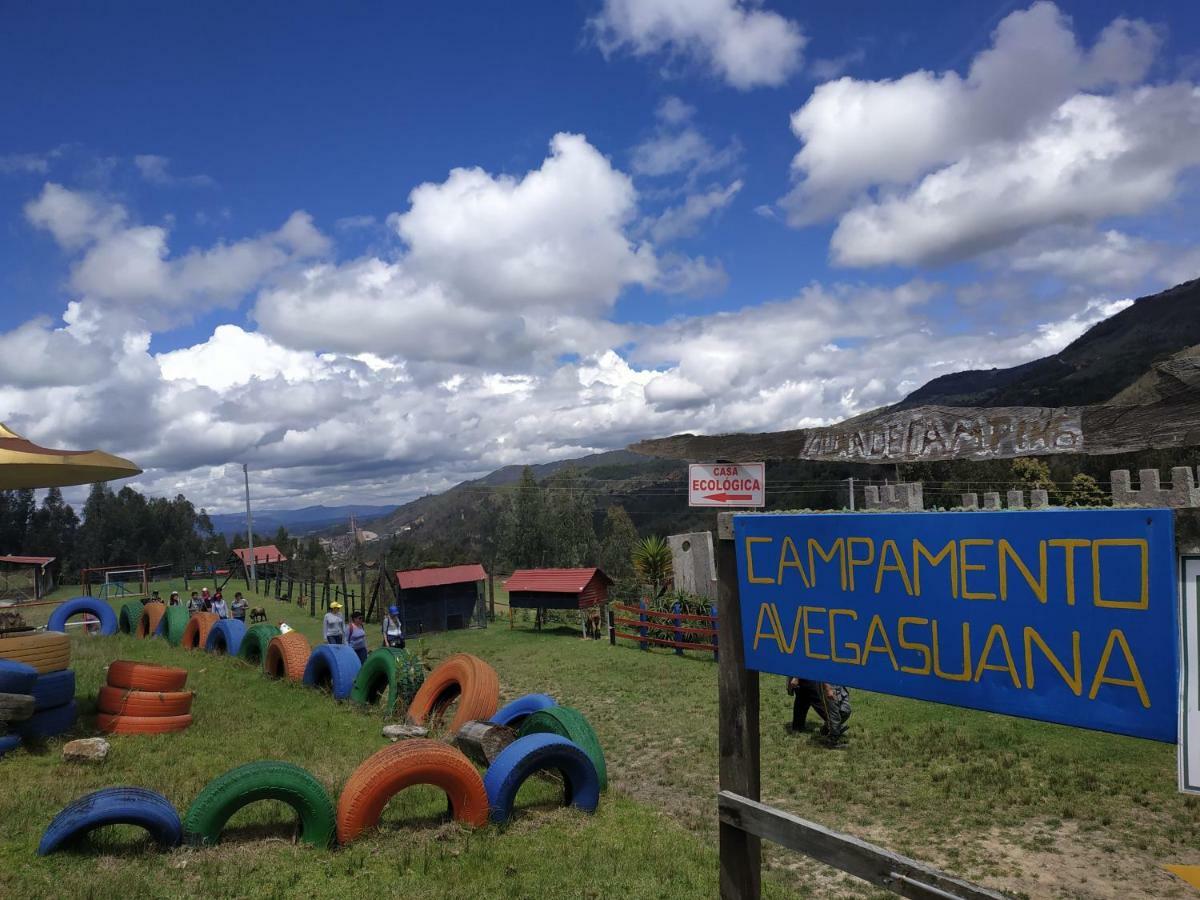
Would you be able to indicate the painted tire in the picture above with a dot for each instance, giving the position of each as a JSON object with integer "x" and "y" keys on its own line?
{"x": 122, "y": 702}
{"x": 135, "y": 676}
{"x": 389, "y": 669}
{"x": 514, "y": 713}
{"x": 114, "y": 806}
{"x": 152, "y": 614}
{"x": 267, "y": 780}
{"x": 141, "y": 724}
{"x": 286, "y": 656}
{"x": 384, "y": 774}
{"x": 253, "y": 648}
{"x": 571, "y": 724}
{"x": 16, "y": 677}
{"x": 225, "y": 636}
{"x": 9, "y": 742}
{"x": 172, "y": 624}
{"x": 533, "y": 753}
{"x": 332, "y": 667}
{"x": 195, "y": 633}
{"x": 466, "y": 677}
{"x": 15, "y": 707}
{"x": 47, "y": 651}
{"x": 49, "y": 722}
{"x": 131, "y": 614}
{"x": 77, "y": 605}
{"x": 54, "y": 689}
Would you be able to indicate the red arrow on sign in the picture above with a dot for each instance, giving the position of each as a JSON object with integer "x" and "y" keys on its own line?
{"x": 728, "y": 498}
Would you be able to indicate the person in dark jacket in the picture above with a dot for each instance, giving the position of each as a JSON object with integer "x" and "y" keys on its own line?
{"x": 831, "y": 702}
{"x": 356, "y": 636}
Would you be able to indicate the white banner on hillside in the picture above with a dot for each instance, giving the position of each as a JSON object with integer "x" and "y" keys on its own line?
{"x": 1189, "y": 676}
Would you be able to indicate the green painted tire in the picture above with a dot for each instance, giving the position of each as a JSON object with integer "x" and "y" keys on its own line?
{"x": 397, "y": 671}
{"x": 131, "y": 614}
{"x": 266, "y": 780}
{"x": 254, "y": 645}
{"x": 172, "y": 624}
{"x": 571, "y": 724}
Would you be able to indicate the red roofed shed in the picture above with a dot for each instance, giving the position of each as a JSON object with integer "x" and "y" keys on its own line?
{"x": 440, "y": 599}
{"x": 557, "y": 588}
{"x": 23, "y": 576}
{"x": 267, "y": 553}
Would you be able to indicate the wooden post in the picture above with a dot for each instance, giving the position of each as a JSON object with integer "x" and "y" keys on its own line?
{"x": 612, "y": 628}
{"x": 483, "y": 741}
{"x": 362, "y": 588}
{"x": 492, "y": 595}
{"x": 738, "y": 729}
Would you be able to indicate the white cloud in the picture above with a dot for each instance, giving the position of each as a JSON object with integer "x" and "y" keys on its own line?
{"x": 13, "y": 163}
{"x": 746, "y": 46}
{"x": 156, "y": 170}
{"x": 685, "y": 219}
{"x": 1040, "y": 131}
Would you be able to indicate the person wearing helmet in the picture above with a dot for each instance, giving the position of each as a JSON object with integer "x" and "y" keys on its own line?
{"x": 335, "y": 625}
{"x": 393, "y": 629}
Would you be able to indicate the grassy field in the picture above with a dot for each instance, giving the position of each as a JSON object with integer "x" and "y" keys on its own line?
{"x": 1035, "y": 809}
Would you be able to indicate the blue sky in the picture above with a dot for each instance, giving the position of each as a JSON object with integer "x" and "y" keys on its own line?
{"x": 374, "y": 249}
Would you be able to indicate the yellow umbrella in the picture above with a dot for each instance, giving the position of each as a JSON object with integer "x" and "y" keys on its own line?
{"x": 23, "y": 464}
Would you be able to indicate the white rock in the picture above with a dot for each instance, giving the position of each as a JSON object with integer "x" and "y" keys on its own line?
{"x": 86, "y": 750}
{"x": 400, "y": 732}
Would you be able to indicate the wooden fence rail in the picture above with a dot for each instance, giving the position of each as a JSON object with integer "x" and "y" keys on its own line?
{"x": 679, "y": 624}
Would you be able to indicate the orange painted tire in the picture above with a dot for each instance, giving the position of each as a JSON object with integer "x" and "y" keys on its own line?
{"x": 461, "y": 676}
{"x": 141, "y": 724}
{"x": 195, "y": 634}
{"x": 120, "y": 702}
{"x": 136, "y": 676}
{"x": 395, "y": 767}
{"x": 287, "y": 655}
{"x": 46, "y": 651}
{"x": 152, "y": 614}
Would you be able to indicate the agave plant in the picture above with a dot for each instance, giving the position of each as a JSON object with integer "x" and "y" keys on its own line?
{"x": 652, "y": 562}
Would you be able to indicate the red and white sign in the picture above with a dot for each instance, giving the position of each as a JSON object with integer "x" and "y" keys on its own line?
{"x": 727, "y": 484}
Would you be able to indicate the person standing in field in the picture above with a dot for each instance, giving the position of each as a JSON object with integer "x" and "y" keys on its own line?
{"x": 219, "y": 607}
{"x": 195, "y": 604}
{"x": 335, "y": 625}
{"x": 393, "y": 629}
{"x": 205, "y": 600}
{"x": 174, "y": 598}
{"x": 239, "y": 606}
{"x": 831, "y": 702}
{"x": 356, "y": 636}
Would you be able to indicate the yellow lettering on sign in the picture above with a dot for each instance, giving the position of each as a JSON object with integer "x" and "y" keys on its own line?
{"x": 1143, "y": 601}
{"x": 833, "y": 644}
{"x": 1038, "y": 585}
{"x": 950, "y": 551}
{"x": 997, "y": 631}
{"x": 853, "y": 563}
{"x": 1074, "y": 678}
{"x": 1069, "y": 545}
{"x": 964, "y": 568}
{"x": 897, "y": 566}
{"x": 869, "y": 646}
{"x": 838, "y": 549}
{"x": 906, "y": 644}
{"x": 809, "y": 631}
{"x": 965, "y": 674}
{"x": 750, "y": 576}
{"x": 764, "y": 611}
{"x": 1116, "y": 636}
{"x": 793, "y": 563}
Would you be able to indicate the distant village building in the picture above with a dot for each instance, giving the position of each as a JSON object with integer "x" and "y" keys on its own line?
{"x": 440, "y": 599}
{"x": 557, "y": 588}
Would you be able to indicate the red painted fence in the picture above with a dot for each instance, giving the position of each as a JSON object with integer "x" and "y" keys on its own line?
{"x": 680, "y": 624}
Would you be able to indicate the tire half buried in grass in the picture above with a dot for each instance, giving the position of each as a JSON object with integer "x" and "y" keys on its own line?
{"x": 195, "y": 633}
{"x": 287, "y": 655}
{"x": 266, "y": 780}
{"x": 225, "y": 636}
{"x": 114, "y": 806}
{"x": 534, "y": 753}
{"x": 571, "y": 724}
{"x": 463, "y": 677}
{"x": 131, "y": 614}
{"x": 254, "y": 644}
{"x": 391, "y": 670}
{"x": 172, "y": 624}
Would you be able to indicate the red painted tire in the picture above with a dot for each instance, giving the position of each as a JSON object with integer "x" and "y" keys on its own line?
{"x": 195, "y": 635}
{"x": 119, "y": 702}
{"x": 141, "y": 724}
{"x": 469, "y": 679}
{"x": 287, "y": 655}
{"x": 136, "y": 676}
{"x": 386, "y": 773}
{"x": 152, "y": 614}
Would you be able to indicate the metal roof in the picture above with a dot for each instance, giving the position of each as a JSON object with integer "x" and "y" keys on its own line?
{"x": 423, "y": 578}
{"x": 267, "y": 553}
{"x": 27, "y": 560}
{"x": 552, "y": 581}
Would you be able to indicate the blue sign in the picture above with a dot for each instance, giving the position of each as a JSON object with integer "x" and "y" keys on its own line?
{"x": 1061, "y": 615}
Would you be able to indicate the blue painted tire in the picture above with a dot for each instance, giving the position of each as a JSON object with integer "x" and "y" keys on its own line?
{"x": 524, "y": 756}
{"x": 334, "y": 666}
{"x": 226, "y": 637}
{"x": 53, "y": 689}
{"x": 49, "y": 722}
{"x": 514, "y": 713}
{"x": 9, "y": 742}
{"x": 114, "y": 806}
{"x": 16, "y": 677}
{"x": 77, "y": 605}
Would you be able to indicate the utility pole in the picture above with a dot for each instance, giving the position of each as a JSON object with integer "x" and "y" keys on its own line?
{"x": 250, "y": 529}
{"x": 851, "y": 481}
